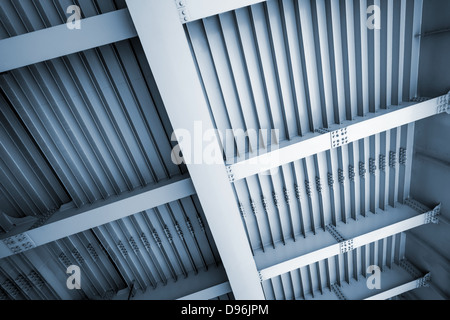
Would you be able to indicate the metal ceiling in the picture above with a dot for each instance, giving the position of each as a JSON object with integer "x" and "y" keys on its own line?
{"x": 92, "y": 125}
{"x": 313, "y": 281}
{"x": 144, "y": 251}
{"x": 23, "y": 16}
{"x": 103, "y": 134}
{"x": 82, "y": 128}
{"x": 300, "y": 198}
{"x": 298, "y": 66}
{"x": 28, "y": 184}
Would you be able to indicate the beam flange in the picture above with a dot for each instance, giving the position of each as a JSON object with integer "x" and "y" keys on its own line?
{"x": 209, "y": 293}
{"x": 68, "y": 222}
{"x": 201, "y": 286}
{"x": 336, "y": 136}
{"x": 54, "y": 42}
{"x": 199, "y": 9}
{"x": 158, "y": 26}
{"x": 355, "y": 234}
{"x": 414, "y": 284}
{"x": 393, "y": 282}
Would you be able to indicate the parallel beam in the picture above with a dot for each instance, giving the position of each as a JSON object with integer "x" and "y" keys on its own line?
{"x": 54, "y": 42}
{"x": 358, "y": 234}
{"x": 199, "y": 9}
{"x": 393, "y": 282}
{"x": 397, "y": 290}
{"x": 209, "y": 293}
{"x": 314, "y": 143}
{"x": 189, "y": 288}
{"x": 68, "y": 222}
{"x": 158, "y": 26}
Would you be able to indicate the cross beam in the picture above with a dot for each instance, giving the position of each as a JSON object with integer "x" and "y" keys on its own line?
{"x": 68, "y": 222}
{"x": 393, "y": 282}
{"x": 336, "y": 136}
{"x": 204, "y": 285}
{"x": 357, "y": 234}
{"x": 199, "y": 9}
{"x": 167, "y": 50}
{"x": 55, "y": 42}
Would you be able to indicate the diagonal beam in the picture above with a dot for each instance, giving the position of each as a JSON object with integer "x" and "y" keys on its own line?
{"x": 313, "y": 143}
{"x": 54, "y": 42}
{"x": 167, "y": 50}
{"x": 68, "y": 222}
{"x": 358, "y": 234}
{"x": 199, "y": 9}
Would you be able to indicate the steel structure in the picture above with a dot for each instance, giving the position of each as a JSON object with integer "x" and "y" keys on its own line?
{"x": 312, "y": 114}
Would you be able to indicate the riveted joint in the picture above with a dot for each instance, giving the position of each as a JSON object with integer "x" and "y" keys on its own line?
{"x": 254, "y": 209}
{"x": 443, "y": 104}
{"x": 287, "y": 197}
{"x": 402, "y": 156}
{"x": 382, "y": 162}
{"x": 179, "y": 231}
{"x": 183, "y": 11}
{"x": 330, "y": 179}
{"x": 189, "y": 226}
{"x": 156, "y": 237}
{"x": 433, "y": 215}
{"x": 341, "y": 177}
{"x": 308, "y": 188}
{"x": 276, "y": 201}
{"x": 318, "y": 185}
{"x": 230, "y": 174}
{"x": 261, "y": 278}
{"x": 392, "y": 159}
{"x": 297, "y": 191}
{"x": 242, "y": 210}
{"x": 362, "y": 169}
{"x": 372, "y": 166}
{"x": 168, "y": 234}
{"x": 424, "y": 281}
{"x": 351, "y": 173}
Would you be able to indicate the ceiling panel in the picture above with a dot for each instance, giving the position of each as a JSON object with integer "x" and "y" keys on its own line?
{"x": 90, "y": 125}
{"x": 22, "y": 16}
{"x": 300, "y": 198}
{"x": 142, "y": 252}
{"x": 28, "y": 185}
{"x": 318, "y": 279}
{"x": 300, "y": 65}
{"x": 95, "y": 118}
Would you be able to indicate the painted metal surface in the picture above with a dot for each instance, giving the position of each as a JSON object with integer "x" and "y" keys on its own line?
{"x": 173, "y": 67}
{"x": 360, "y": 233}
{"x": 38, "y": 46}
{"x": 260, "y": 67}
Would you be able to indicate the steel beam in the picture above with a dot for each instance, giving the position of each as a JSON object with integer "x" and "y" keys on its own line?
{"x": 189, "y": 288}
{"x": 71, "y": 221}
{"x": 415, "y": 51}
{"x": 356, "y": 234}
{"x": 158, "y": 26}
{"x": 393, "y": 282}
{"x": 209, "y": 293}
{"x": 54, "y": 42}
{"x": 411, "y": 285}
{"x": 313, "y": 143}
{"x": 199, "y": 9}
